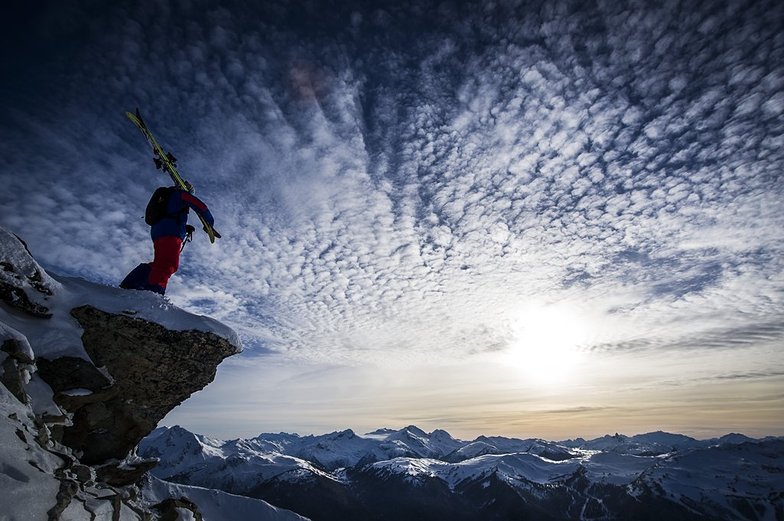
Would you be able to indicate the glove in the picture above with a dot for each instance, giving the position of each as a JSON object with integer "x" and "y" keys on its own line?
{"x": 214, "y": 232}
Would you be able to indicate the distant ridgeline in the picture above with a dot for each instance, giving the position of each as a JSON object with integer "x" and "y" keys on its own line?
{"x": 410, "y": 474}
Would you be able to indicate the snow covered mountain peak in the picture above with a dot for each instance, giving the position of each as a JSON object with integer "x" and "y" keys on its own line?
{"x": 434, "y": 476}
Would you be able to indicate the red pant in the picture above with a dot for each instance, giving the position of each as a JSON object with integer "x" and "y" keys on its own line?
{"x": 166, "y": 260}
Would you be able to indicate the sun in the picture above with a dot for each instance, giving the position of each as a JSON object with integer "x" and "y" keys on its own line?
{"x": 546, "y": 341}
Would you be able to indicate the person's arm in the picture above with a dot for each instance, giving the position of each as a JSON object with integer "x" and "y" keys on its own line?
{"x": 198, "y": 206}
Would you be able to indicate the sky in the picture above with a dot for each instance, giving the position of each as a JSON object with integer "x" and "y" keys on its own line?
{"x": 534, "y": 219}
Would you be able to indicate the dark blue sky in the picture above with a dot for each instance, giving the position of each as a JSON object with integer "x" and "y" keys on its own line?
{"x": 429, "y": 188}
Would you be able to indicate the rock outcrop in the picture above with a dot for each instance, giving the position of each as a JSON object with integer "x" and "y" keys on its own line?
{"x": 86, "y": 372}
{"x": 141, "y": 372}
{"x": 23, "y": 284}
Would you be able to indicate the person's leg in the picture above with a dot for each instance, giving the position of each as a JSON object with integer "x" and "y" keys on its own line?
{"x": 165, "y": 263}
{"x": 137, "y": 278}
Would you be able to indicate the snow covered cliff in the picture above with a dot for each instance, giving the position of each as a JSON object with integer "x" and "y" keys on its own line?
{"x": 86, "y": 372}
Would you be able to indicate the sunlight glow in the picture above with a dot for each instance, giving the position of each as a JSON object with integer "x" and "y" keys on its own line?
{"x": 546, "y": 342}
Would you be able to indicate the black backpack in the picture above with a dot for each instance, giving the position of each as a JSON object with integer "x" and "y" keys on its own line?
{"x": 156, "y": 208}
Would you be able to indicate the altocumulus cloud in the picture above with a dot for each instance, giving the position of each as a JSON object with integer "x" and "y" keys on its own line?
{"x": 400, "y": 179}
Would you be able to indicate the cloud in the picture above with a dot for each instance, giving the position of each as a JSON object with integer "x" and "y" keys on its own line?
{"x": 397, "y": 183}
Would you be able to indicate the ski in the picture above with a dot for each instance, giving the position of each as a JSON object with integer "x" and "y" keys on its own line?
{"x": 167, "y": 162}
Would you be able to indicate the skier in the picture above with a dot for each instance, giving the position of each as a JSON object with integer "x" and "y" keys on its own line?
{"x": 167, "y": 214}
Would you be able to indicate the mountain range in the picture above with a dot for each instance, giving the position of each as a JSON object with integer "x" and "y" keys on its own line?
{"x": 408, "y": 473}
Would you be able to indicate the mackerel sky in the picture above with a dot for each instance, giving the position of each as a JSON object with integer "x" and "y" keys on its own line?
{"x": 522, "y": 218}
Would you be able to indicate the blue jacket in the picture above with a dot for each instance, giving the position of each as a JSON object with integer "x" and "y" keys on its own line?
{"x": 173, "y": 225}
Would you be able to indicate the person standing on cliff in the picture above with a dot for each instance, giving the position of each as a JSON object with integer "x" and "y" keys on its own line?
{"x": 167, "y": 215}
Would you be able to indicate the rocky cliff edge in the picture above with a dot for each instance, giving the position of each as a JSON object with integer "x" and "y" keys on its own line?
{"x": 87, "y": 371}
